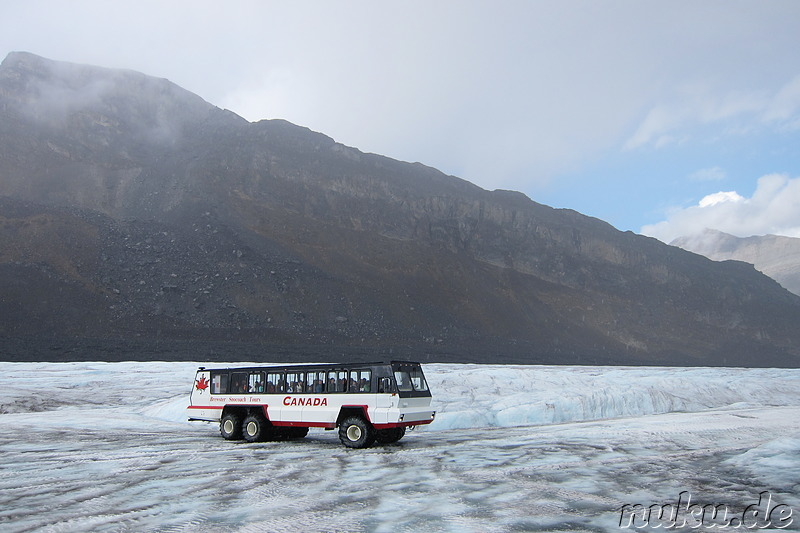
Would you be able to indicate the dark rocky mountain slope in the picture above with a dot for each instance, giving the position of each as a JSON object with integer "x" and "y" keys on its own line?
{"x": 138, "y": 221}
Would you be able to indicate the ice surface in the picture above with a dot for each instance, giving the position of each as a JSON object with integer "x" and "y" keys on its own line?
{"x": 106, "y": 447}
{"x": 477, "y": 395}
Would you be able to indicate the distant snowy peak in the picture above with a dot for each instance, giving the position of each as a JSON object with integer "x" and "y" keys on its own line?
{"x": 775, "y": 256}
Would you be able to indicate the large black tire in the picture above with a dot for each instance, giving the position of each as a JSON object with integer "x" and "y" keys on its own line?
{"x": 388, "y": 436}
{"x": 230, "y": 427}
{"x": 256, "y": 428}
{"x": 355, "y": 432}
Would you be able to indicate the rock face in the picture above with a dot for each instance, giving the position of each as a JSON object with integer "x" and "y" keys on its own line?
{"x": 138, "y": 221}
{"x": 777, "y": 257}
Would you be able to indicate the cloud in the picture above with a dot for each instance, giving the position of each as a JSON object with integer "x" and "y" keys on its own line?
{"x": 720, "y": 197}
{"x": 708, "y": 174}
{"x": 784, "y": 107}
{"x": 773, "y": 209}
{"x": 516, "y": 95}
{"x": 694, "y": 108}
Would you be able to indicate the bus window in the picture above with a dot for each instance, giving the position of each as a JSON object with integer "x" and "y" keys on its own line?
{"x": 256, "y": 382}
{"x": 315, "y": 382}
{"x": 337, "y": 381}
{"x": 295, "y": 382}
{"x": 418, "y": 380}
{"x": 360, "y": 380}
{"x": 219, "y": 383}
{"x": 403, "y": 381}
{"x": 239, "y": 383}
{"x": 275, "y": 383}
{"x": 409, "y": 378}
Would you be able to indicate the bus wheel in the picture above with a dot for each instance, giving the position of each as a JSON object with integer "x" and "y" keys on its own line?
{"x": 388, "y": 436}
{"x": 231, "y": 426}
{"x": 255, "y": 428}
{"x": 355, "y": 432}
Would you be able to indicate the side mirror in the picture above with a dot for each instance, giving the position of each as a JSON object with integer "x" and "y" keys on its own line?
{"x": 385, "y": 385}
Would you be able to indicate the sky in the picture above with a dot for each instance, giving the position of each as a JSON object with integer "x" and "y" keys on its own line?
{"x": 662, "y": 118}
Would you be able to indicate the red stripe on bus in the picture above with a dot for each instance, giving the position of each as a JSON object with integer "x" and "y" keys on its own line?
{"x": 327, "y": 425}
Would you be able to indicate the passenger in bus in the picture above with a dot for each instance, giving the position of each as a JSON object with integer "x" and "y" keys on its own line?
{"x": 319, "y": 386}
{"x": 332, "y": 385}
{"x": 258, "y": 387}
{"x": 270, "y": 386}
{"x": 363, "y": 385}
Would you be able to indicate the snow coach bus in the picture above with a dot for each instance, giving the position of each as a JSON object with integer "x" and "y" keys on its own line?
{"x": 367, "y": 402}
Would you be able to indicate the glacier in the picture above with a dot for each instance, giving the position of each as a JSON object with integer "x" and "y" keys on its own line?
{"x": 107, "y": 447}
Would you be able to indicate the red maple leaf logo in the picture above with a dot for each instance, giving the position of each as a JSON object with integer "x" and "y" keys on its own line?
{"x": 201, "y": 384}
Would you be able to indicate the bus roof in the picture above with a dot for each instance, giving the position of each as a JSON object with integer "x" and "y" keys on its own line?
{"x": 314, "y": 366}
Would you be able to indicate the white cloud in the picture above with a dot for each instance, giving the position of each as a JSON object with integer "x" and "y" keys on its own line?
{"x": 784, "y": 107}
{"x": 708, "y": 174}
{"x": 774, "y": 209}
{"x": 719, "y": 198}
{"x": 656, "y": 127}
{"x": 694, "y": 107}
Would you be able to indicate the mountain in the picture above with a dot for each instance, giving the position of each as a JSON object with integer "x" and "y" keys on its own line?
{"x": 777, "y": 257}
{"x": 138, "y": 221}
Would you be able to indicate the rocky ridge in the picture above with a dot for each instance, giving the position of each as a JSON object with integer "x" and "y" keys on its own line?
{"x": 138, "y": 221}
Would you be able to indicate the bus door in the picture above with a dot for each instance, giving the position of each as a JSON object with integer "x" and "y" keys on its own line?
{"x": 294, "y": 398}
{"x": 275, "y": 387}
{"x": 318, "y": 408}
{"x": 199, "y": 402}
{"x": 200, "y": 391}
{"x": 386, "y": 388}
{"x": 334, "y": 397}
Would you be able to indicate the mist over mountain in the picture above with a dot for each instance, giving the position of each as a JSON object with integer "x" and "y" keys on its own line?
{"x": 138, "y": 221}
{"x": 776, "y": 256}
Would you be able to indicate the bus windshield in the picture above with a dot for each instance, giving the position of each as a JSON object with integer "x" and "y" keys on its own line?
{"x": 410, "y": 380}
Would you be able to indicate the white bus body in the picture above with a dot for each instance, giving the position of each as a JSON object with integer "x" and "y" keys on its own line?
{"x": 367, "y": 402}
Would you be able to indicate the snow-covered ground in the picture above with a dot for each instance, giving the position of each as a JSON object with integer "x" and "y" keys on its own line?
{"x": 106, "y": 447}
